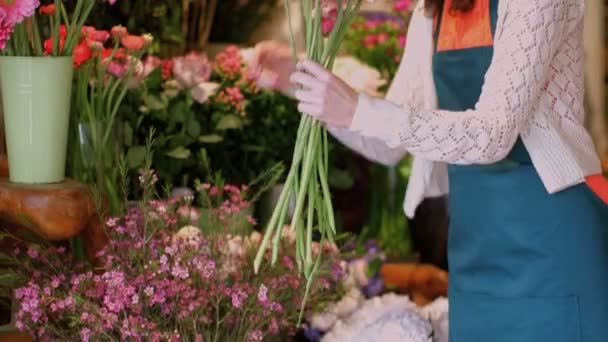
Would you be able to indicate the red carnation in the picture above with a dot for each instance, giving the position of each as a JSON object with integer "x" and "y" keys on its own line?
{"x": 82, "y": 53}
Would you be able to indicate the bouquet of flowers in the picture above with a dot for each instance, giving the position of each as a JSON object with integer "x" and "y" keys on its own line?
{"x": 107, "y": 65}
{"x": 162, "y": 278}
{"x": 22, "y": 31}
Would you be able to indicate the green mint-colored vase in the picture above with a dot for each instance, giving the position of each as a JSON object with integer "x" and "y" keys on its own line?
{"x": 36, "y": 93}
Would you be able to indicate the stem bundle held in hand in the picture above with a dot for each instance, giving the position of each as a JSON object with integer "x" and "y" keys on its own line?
{"x": 307, "y": 178}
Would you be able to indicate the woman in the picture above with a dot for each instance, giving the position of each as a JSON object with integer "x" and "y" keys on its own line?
{"x": 490, "y": 97}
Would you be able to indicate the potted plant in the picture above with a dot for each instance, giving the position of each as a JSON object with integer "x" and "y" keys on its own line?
{"x": 36, "y": 81}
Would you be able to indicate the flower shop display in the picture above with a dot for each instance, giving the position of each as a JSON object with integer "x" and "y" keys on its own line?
{"x": 209, "y": 116}
{"x": 168, "y": 275}
{"x": 308, "y": 175}
{"x": 378, "y": 39}
{"x": 36, "y": 81}
{"x": 108, "y": 64}
{"x": 368, "y": 313}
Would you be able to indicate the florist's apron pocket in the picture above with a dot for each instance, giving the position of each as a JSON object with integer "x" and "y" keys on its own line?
{"x": 529, "y": 319}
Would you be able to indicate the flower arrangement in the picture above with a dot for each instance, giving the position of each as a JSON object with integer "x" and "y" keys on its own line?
{"x": 379, "y": 39}
{"x": 107, "y": 65}
{"x": 159, "y": 282}
{"x": 208, "y": 115}
{"x": 21, "y": 29}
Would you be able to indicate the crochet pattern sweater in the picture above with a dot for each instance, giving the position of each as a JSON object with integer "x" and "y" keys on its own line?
{"x": 533, "y": 90}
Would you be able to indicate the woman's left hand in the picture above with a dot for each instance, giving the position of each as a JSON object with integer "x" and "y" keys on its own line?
{"x": 323, "y": 95}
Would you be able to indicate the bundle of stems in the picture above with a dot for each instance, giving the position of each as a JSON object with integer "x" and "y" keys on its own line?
{"x": 307, "y": 179}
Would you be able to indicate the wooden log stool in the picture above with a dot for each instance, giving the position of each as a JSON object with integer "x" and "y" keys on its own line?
{"x": 55, "y": 212}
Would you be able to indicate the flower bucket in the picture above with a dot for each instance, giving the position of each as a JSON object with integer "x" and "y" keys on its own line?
{"x": 36, "y": 93}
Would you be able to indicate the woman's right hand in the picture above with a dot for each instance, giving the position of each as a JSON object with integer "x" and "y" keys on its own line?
{"x": 273, "y": 63}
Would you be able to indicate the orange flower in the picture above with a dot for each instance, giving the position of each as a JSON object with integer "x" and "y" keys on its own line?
{"x": 48, "y": 45}
{"x": 48, "y": 9}
{"x": 132, "y": 42}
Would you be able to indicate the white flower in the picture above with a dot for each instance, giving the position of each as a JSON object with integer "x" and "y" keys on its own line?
{"x": 202, "y": 91}
{"x": 189, "y": 234}
{"x": 358, "y": 75}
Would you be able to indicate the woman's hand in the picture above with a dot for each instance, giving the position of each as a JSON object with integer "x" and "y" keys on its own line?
{"x": 274, "y": 60}
{"x": 323, "y": 95}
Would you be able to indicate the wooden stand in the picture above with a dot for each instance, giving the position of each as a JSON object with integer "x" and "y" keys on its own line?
{"x": 56, "y": 212}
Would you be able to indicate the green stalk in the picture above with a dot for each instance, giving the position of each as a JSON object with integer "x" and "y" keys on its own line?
{"x": 309, "y": 224}
{"x": 55, "y": 34}
{"x": 36, "y": 36}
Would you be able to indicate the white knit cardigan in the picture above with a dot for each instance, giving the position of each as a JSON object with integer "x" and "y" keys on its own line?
{"x": 533, "y": 89}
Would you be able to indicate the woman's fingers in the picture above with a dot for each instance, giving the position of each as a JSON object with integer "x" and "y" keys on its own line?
{"x": 307, "y": 96}
{"x": 304, "y": 80}
{"x": 313, "y": 68}
{"x": 310, "y": 109}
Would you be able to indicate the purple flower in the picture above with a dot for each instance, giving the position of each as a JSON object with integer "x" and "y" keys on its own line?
{"x": 374, "y": 287}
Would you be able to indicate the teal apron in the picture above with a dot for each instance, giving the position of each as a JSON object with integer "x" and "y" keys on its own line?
{"x": 525, "y": 266}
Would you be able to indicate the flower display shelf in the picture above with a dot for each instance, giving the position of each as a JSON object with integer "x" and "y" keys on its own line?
{"x": 55, "y": 212}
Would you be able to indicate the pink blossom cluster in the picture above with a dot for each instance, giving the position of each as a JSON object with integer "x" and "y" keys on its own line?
{"x": 14, "y": 12}
{"x": 229, "y": 63}
{"x": 159, "y": 282}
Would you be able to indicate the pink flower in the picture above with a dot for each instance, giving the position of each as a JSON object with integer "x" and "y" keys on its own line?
{"x": 6, "y": 28}
{"x": 402, "y": 5}
{"x": 401, "y": 40}
{"x": 17, "y": 10}
{"x": 370, "y": 41}
{"x": 191, "y": 69}
{"x": 100, "y": 36}
{"x": 118, "y": 32}
{"x": 382, "y": 37}
{"x": 256, "y": 335}
{"x": 327, "y": 25}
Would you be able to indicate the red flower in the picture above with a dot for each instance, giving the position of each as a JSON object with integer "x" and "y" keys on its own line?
{"x": 82, "y": 53}
{"x": 120, "y": 53}
{"x": 48, "y": 45}
{"x": 132, "y": 42}
{"x": 48, "y": 9}
{"x": 63, "y": 31}
{"x": 166, "y": 69}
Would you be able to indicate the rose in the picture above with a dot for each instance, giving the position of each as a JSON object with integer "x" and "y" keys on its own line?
{"x": 191, "y": 69}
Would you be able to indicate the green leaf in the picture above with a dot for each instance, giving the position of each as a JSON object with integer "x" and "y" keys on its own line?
{"x": 229, "y": 121}
{"x": 193, "y": 128}
{"x": 210, "y": 138}
{"x": 128, "y": 134}
{"x": 179, "y": 153}
{"x": 154, "y": 102}
{"x": 136, "y": 156}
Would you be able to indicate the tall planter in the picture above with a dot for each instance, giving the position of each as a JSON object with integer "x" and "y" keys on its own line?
{"x": 36, "y": 94}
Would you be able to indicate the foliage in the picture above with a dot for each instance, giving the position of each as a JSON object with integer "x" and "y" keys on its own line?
{"x": 218, "y": 120}
{"x": 167, "y": 274}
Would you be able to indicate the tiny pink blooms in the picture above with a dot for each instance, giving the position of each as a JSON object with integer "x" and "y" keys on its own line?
{"x": 256, "y": 335}
{"x": 370, "y": 41}
{"x": 6, "y": 28}
{"x": 382, "y": 37}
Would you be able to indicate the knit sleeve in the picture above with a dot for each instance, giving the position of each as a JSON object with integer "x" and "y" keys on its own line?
{"x": 531, "y": 34}
{"x": 406, "y": 89}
